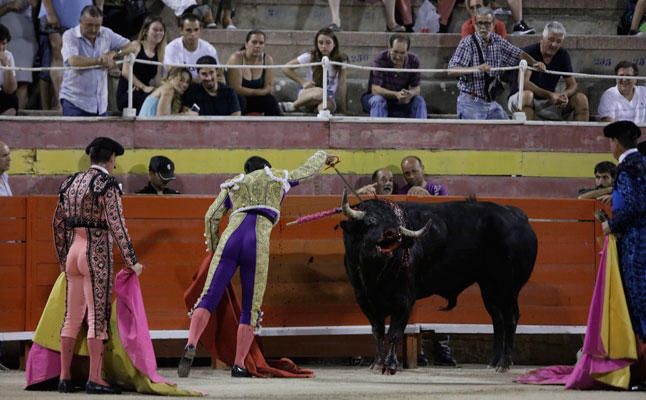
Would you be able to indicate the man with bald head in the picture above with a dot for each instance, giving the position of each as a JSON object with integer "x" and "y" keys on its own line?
{"x": 416, "y": 182}
{"x": 5, "y": 163}
{"x": 382, "y": 183}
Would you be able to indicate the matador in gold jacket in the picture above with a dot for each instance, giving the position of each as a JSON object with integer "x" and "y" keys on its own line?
{"x": 254, "y": 199}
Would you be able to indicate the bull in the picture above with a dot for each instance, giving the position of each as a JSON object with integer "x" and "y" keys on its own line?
{"x": 398, "y": 252}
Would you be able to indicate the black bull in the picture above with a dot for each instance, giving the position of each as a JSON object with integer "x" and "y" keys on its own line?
{"x": 396, "y": 253}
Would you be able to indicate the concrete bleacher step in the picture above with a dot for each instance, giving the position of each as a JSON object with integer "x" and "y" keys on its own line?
{"x": 579, "y": 16}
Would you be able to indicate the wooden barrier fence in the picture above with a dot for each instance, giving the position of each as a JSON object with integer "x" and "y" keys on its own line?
{"x": 307, "y": 286}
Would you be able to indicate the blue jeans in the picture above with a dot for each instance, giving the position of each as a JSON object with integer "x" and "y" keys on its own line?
{"x": 379, "y": 106}
{"x": 70, "y": 110}
{"x": 471, "y": 107}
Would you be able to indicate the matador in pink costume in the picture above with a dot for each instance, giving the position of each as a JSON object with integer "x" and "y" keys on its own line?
{"x": 88, "y": 219}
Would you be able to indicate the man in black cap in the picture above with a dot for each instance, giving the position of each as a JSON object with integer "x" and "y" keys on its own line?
{"x": 87, "y": 218}
{"x": 161, "y": 170}
{"x": 628, "y": 223}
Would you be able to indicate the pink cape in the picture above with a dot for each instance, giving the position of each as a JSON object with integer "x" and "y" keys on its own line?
{"x": 44, "y": 364}
{"x": 595, "y": 360}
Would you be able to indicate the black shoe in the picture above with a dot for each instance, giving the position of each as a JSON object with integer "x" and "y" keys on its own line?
{"x": 185, "y": 362}
{"x": 521, "y": 28}
{"x": 239, "y": 372}
{"x": 65, "y": 386}
{"x": 442, "y": 354}
{"x": 95, "y": 388}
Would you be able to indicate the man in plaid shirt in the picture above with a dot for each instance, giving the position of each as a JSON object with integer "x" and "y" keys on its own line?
{"x": 474, "y": 101}
{"x": 395, "y": 94}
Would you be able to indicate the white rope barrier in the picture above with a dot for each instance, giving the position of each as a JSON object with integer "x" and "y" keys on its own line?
{"x": 326, "y": 63}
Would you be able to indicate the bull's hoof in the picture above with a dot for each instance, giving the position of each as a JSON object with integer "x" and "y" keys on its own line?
{"x": 389, "y": 371}
{"x": 377, "y": 366}
{"x": 502, "y": 368}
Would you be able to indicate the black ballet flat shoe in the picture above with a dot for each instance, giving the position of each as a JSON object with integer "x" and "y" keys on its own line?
{"x": 185, "y": 361}
{"x": 239, "y": 372}
{"x": 65, "y": 386}
{"x": 95, "y": 388}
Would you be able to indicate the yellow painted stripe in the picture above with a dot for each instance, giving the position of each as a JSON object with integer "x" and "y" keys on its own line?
{"x": 227, "y": 161}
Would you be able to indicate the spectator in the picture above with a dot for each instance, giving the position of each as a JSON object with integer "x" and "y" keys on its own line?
{"x": 633, "y": 21}
{"x": 516, "y": 6}
{"x": 211, "y": 96}
{"x": 395, "y": 94}
{"x": 626, "y": 101}
{"x": 416, "y": 182}
{"x": 484, "y": 50}
{"x": 85, "y": 91}
{"x": 8, "y": 84}
{"x": 310, "y": 97}
{"x": 225, "y": 10}
{"x": 150, "y": 46}
{"x": 540, "y": 97}
{"x": 124, "y": 17}
{"x": 166, "y": 99}
{"x": 445, "y": 9}
{"x": 389, "y": 10}
{"x": 253, "y": 86}
{"x": 182, "y": 8}
{"x": 16, "y": 16}
{"x": 189, "y": 47}
{"x": 56, "y": 17}
{"x": 469, "y": 28}
{"x": 604, "y": 177}
{"x": 5, "y": 163}
{"x": 382, "y": 183}
{"x": 161, "y": 170}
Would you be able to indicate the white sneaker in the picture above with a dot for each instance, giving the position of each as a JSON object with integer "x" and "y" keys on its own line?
{"x": 211, "y": 25}
{"x": 286, "y": 106}
{"x": 231, "y": 27}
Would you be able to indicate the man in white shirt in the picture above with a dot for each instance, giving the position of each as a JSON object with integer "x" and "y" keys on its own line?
{"x": 188, "y": 48}
{"x": 627, "y": 100}
{"x": 8, "y": 83}
{"x": 5, "y": 163}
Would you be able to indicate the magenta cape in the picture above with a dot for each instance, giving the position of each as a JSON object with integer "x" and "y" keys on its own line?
{"x": 609, "y": 347}
{"x": 129, "y": 359}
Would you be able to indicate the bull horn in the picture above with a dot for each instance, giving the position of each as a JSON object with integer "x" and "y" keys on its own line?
{"x": 417, "y": 233}
{"x": 348, "y": 211}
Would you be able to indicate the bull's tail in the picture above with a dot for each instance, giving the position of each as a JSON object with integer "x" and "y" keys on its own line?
{"x": 452, "y": 302}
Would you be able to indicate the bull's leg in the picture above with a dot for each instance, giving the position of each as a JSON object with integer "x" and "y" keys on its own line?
{"x": 510, "y": 316}
{"x": 378, "y": 332}
{"x": 398, "y": 321}
{"x": 491, "y": 304}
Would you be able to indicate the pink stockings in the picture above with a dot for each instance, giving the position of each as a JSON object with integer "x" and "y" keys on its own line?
{"x": 200, "y": 319}
{"x": 245, "y": 338}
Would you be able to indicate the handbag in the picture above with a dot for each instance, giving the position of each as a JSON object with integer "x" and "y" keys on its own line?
{"x": 493, "y": 84}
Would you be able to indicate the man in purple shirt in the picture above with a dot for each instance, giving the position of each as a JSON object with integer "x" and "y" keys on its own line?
{"x": 416, "y": 183}
{"x": 84, "y": 92}
{"x": 395, "y": 94}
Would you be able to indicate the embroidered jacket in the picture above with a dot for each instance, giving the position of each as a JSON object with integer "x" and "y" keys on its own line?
{"x": 261, "y": 191}
{"x": 91, "y": 199}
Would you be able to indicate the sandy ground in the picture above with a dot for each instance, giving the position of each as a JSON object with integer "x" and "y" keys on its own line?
{"x": 467, "y": 382}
